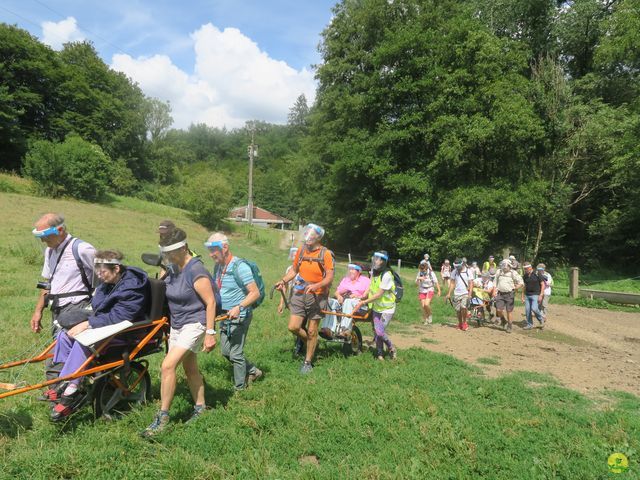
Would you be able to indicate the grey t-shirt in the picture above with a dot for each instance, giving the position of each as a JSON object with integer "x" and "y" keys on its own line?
{"x": 184, "y": 303}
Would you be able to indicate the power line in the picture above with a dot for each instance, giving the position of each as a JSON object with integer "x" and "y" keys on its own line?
{"x": 82, "y": 28}
{"x": 86, "y": 30}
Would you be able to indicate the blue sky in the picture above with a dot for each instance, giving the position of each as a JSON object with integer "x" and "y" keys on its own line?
{"x": 220, "y": 62}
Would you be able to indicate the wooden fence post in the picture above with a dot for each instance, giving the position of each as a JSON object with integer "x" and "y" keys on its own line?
{"x": 573, "y": 282}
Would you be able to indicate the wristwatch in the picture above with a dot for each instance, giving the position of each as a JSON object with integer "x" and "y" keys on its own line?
{"x": 210, "y": 331}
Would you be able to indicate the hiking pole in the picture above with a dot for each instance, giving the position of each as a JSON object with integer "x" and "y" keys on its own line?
{"x": 284, "y": 297}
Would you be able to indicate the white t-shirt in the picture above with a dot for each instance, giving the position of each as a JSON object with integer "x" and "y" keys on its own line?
{"x": 463, "y": 279}
{"x": 549, "y": 284}
{"x": 427, "y": 281}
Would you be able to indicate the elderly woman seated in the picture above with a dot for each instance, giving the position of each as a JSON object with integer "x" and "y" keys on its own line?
{"x": 352, "y": 288}
{"x": 123, "y": 293}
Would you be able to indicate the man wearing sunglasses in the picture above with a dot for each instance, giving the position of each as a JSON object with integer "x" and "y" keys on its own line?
{"x": 67, "y": 270}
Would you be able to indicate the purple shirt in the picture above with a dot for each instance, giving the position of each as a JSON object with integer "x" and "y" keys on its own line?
{"x": 357, "y": 288}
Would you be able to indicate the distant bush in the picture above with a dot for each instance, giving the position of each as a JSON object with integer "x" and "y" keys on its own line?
{"x": 207, "y": 197}
{"x": 75, "y": 167}
{"x": 12, "y": 183}
{"x": 123, "y": 182}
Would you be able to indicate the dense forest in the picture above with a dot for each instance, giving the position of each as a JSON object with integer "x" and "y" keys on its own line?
{"x": 441, "y": 126}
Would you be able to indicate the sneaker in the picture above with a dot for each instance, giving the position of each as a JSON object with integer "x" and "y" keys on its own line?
{"x": 160, "y": 422}
{"x": 299, "y": 347}
{"x": 66, "y": 406}
{"x": 393, "y": 354}
{"x": 380, "y": 357}
{"x": 464, "y": 327}
{"x": 198, "y": 411}
{"x": 252, "y": 377}
{"x": 54, "y": 393}
{"x": 542, "y": 322}
{"x": 508, "y": 328}
{"x": 306, "y": 368}
{"x": 503, "y": 322}
{"x": 430, "y": 319}
{"x": 527, "y": 327}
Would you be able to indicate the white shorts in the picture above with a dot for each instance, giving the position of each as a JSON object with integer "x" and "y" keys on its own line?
{"x": 189, "y": 337}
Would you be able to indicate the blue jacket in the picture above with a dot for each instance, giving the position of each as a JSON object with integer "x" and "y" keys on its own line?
{"x": 127, "y": 300}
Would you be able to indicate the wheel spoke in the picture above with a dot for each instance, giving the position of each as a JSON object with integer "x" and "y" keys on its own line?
{"x": 113, "y": 401}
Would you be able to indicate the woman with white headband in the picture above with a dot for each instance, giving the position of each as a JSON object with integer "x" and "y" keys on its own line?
{"x": 122, "y": 293}
{"x": 192, "y": 306}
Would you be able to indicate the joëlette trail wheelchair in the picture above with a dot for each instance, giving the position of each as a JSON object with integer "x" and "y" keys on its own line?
{"x": 336, "y": 327}
{"x": 116, "y": 374}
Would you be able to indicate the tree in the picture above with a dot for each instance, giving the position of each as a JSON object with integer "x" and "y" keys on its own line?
{"x": 75, "y": 168}
{"x": 158, "y": 119}
{"x": 299, "y": 115}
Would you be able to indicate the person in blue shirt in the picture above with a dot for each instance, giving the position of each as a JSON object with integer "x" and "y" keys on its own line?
{"x": 238, "y": 292}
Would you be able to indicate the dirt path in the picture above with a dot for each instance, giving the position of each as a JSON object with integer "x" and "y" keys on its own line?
{"x": 586, "y": 349}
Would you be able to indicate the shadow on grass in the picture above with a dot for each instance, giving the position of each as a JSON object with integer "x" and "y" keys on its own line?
{"x": 14, "y": 422}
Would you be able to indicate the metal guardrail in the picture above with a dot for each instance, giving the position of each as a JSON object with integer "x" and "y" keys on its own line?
{"x": 611, "y": 297}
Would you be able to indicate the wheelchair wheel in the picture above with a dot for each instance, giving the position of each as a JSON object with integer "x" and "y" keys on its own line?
{"x": 355, "y": 346}
{"x": 117, "y": 393}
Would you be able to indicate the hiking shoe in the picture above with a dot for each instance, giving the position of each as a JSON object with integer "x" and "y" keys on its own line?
{"x": 198, "y": 411}
{"x": 393, "y": 354}
{"x": 299, "y": 347}
{"x": 66, "y": 406}
{"x": 160, "y": 422}
{"x": 542, "y": 322}
{"x": 503, "y": 322}
{"x": 53, "y": 394}
{"x": 252, "y": 377}
{"x": 306, "y": 368}
{"x": 464, "y": 327}
{"x": 508, "y": 328}
{"x": 527, "y": 327}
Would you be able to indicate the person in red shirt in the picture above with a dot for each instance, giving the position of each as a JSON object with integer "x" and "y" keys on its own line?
{"x": 312, "y": 273}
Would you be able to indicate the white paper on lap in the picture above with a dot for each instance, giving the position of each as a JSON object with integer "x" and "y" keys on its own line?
{"x": 93, "y": 335}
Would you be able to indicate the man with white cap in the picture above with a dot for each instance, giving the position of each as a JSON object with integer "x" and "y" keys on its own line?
{"x": 67, "y": 271}
{"x": 312, "y": 274}
{"x": 238, "y": 294}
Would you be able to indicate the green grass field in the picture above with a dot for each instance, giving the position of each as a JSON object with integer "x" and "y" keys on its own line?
{"x": 426, "y": 415}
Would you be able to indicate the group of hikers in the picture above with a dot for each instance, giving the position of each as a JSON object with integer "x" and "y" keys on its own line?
{"x": 493, "y": 286}
{"x": 118, "y": 292}
{"x": 87, "y": 289}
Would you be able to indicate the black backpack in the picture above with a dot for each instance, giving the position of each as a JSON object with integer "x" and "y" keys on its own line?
{"x": 397, "y": 281}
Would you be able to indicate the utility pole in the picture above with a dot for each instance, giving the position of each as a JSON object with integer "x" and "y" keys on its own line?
{"x": 253, "y": 152}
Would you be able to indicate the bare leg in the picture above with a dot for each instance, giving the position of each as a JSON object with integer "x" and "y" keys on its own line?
{"x": 194, "y": 377}
{"x": 168, "y": 376}
{"x": 312, "y": 338}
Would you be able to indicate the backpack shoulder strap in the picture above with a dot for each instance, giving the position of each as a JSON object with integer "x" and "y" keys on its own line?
{"x": 76, "y": 256}
{"x": 236, "y": 274}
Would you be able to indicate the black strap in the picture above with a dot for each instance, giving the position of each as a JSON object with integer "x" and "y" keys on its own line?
{"x": 319, "y": 260}
{"x": 55, "y": 267}
{"x": 76, "y": 256}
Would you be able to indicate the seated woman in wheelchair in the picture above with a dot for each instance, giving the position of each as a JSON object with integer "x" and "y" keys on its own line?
{"x": 121, "y": 293}
{"x": 352, "y": 288}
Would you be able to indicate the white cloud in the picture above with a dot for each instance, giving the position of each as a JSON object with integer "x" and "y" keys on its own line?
{"x": 232, "y": 81}
{"x": 55, "y": 34}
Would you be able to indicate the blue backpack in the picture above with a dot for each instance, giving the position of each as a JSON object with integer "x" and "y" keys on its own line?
{"x": 255, "y": 273}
